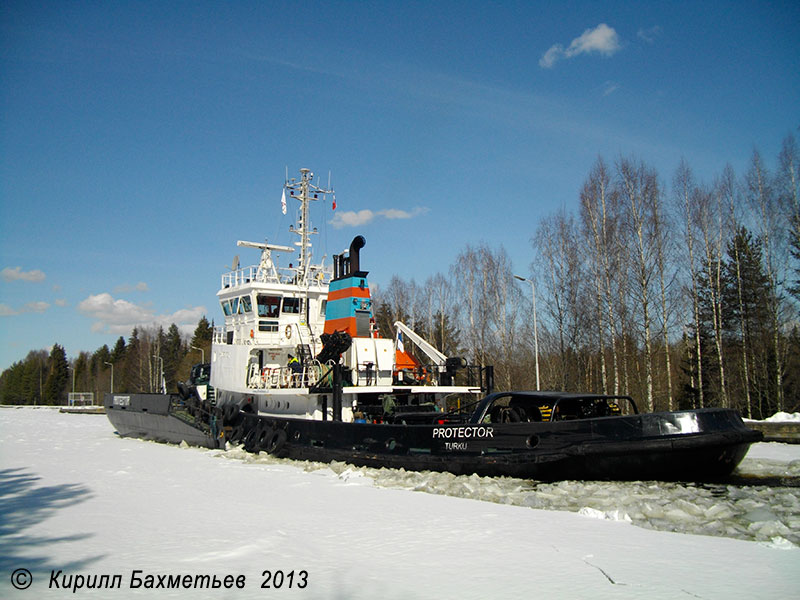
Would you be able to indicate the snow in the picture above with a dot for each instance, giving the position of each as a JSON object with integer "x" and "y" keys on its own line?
{"x": 783, "y": 417}
{"x": 77, "y": 498}
{"x": 778, "y": 417}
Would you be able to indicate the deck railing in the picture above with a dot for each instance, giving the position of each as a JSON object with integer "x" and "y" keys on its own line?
{"x": 316, "y": 280}
{"x": 270, "y": 378}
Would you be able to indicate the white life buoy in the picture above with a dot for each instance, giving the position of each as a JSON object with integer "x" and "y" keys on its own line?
{"x": 288, "y": 332}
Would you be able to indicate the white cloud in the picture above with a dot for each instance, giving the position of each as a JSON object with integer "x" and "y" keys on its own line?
{"x": 396, "y": 213}
{"x": 362, "y": 217}
{"x": 30, "y": 307}
{"x": 602, "y": 40}
{"x": 609, "y": 88}
{"x": 650, "y": 34}
{"x": 125, "y": 288}
{"x": 118, "y": 316}
{"x": 37, "y": 307}
{"x": 351, "y": 218}
{"x": 17, "y": 274}
{"x": 552, "y": 55}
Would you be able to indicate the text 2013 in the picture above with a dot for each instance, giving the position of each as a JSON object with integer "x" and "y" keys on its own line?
{"x": 278, "y": 579}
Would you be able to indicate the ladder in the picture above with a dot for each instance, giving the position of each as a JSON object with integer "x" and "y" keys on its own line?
{"x": 304, "y": 354}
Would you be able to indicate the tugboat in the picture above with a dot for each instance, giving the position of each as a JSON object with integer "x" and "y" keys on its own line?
{"x": 299, "y": 370}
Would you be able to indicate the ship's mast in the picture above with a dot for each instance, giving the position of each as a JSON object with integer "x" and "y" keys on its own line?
{"x": 305, "y": 191}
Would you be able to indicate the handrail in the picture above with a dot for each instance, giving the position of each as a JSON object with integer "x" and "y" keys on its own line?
{"x": 261, "y": 378}
{"x": 324, "y": 376}
{"x": 254, "y": 273}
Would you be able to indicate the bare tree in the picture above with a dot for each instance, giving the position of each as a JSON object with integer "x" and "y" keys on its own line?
{"x": 788, "y": 183}
{"x": 599, "y": 218}
{"x": 559, "y": 260}
{"x": 441, "y": 308}
{"x": 662, "y": 240}
{"x": 788, "y": 179}
{"x": 763, "y": 201}
{"x": 727, "y": 187}
{"x": 638, "y": 186}
{"x": 506, "y": 299}
{"x": 685, "y": 195}
{"x": 472, "y": 280}
{"x": 712, "y": 227}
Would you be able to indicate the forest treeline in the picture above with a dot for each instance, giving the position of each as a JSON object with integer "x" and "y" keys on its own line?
{"x": 681, "y": 293}
{"x": 135, "y": 365}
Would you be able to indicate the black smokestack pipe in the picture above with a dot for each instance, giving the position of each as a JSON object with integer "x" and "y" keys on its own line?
{"x": 356, "y": 245}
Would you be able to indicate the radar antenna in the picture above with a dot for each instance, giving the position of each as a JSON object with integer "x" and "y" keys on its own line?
{"x": 266, "y": 268}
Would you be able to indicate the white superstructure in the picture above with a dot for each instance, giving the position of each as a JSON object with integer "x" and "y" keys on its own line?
{"x": 265, "y": 353}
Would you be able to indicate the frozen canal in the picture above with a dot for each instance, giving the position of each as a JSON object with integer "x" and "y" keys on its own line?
{"x": 77, "y": 499}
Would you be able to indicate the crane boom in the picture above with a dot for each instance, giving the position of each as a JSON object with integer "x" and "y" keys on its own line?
{"x": 429, "y": 350}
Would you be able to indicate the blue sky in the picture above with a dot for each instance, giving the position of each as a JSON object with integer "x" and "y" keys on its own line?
{"x": 139, "y": 140}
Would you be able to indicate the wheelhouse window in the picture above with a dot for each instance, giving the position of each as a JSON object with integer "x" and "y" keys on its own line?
{"x": 270, "y": 326}
{"x": 234, "y": 305}
{"x": 245, "y": 304}
{"x": 226, "y": 308}
{"x": 292, "y": 305}
{"x": 268, "y": 306}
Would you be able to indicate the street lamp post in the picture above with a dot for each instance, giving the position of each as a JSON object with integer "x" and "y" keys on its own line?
{"x": 112, "y": 375}
{"x": 535, "y": 328}
{"x": 202, "y": 354}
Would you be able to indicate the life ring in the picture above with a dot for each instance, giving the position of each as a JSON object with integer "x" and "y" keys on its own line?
{"x": 276, "y": 441}
{"x": 288, "y": 332}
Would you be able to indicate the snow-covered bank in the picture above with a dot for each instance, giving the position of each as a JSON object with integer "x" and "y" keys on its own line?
{"x": 75, "y": 497}
{"x": 784, "y": 417}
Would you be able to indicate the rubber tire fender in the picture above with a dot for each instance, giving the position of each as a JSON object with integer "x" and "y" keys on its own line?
{"x": 276, "y": 441}
{"x": 251, "y": 439}
{"x": 231, "y": 413}
{"x": 237, "y": 432}
{"x": 264, "y": 436}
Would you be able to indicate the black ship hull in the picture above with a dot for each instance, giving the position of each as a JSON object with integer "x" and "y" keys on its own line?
{"x": 618, "y": 448}
{"x": 157, "y": 417}
{"x": 696, "y": 445}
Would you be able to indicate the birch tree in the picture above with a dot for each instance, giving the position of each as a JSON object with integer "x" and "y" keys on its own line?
{"x": 711, "y": 226}
{"x": 473, "y": 282}
{"x": 639, "y": 189}
{"x": 762, "y": 200}
{"x": 597, "y": 210}
{"x": 559, "y": 259}
{"x": 727, "y": 189}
